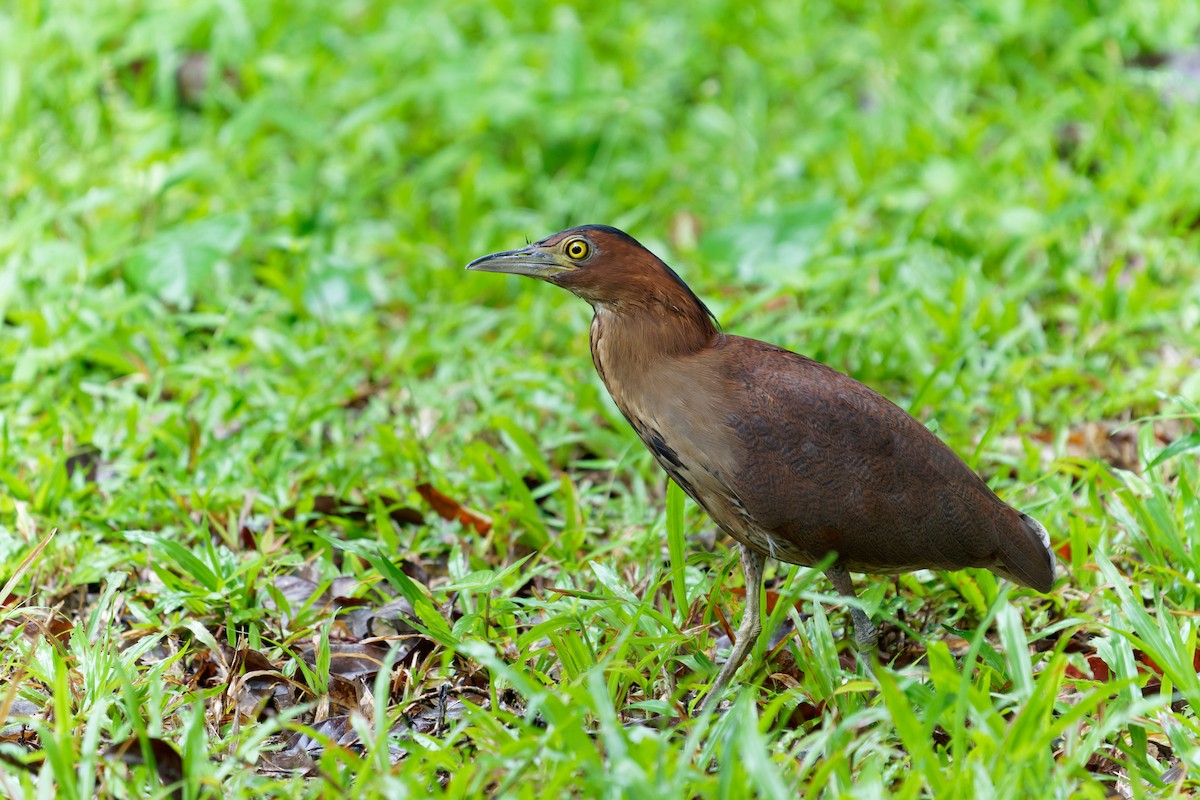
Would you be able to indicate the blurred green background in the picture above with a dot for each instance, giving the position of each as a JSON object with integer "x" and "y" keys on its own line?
{"x": 232, "y": 239}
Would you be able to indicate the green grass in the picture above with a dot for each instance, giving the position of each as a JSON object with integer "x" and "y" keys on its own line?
{"x": 237, "y": 336}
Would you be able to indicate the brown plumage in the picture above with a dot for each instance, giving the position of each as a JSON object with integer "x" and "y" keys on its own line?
{"x": 791, "y": 458}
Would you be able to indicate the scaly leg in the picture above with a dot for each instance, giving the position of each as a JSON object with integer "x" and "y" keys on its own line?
{"x": 864, "y": 629}
{"x": 748, "y": 630}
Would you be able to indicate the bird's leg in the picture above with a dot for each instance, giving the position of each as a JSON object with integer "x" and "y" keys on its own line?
{"x": 864, "y": 629}
{"x": 748, "y": 630}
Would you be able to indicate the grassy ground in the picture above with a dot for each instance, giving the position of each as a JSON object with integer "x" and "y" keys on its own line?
{"x": 246, "y": 383}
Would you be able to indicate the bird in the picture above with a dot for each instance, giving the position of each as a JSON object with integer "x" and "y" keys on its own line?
{"x": 791, "y": 458}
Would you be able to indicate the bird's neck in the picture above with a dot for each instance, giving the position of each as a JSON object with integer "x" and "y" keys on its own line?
{"x": 630, "y": 344}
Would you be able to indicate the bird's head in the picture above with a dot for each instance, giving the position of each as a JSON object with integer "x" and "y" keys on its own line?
{"x": 605, "y": 266}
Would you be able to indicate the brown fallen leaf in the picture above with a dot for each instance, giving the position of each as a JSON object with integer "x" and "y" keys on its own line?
{"x": 350, "y": 660}
{"x": 1147, "y": 661}
{"x": 450, "y": 509}
{"x": 1096, "y": 664}
{"x": 257, "y": 688}
{"x": 770, "y": 597}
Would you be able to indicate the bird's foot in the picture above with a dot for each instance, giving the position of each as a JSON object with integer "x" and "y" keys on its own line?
{"x": 865, "y": 631}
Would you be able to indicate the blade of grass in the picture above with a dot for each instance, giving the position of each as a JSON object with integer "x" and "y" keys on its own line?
{"x": 677, "y": 551}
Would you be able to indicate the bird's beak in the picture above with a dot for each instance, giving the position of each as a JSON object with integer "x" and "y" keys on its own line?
{"x": 533, "y": 261}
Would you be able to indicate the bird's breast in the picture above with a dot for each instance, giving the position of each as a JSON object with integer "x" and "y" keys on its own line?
{"x": 674, "y": 404}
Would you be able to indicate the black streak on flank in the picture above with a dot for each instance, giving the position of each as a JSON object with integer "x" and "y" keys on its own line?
{"x": 667, "y": 457}
{"x": 661, "y": 449}
{"x": 677, "y": 476}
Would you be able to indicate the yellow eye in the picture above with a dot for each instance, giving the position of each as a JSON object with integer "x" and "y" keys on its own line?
{"x": 577, "y": 249}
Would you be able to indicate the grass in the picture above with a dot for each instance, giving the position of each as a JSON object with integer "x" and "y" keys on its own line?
{"x": 246, "y": 384}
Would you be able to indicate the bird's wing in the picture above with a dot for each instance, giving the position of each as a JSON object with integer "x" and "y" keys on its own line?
{"x": 829, "y": 464}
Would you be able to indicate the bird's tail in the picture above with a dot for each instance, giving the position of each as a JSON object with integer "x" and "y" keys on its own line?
{"x": 1027, "y": 558}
